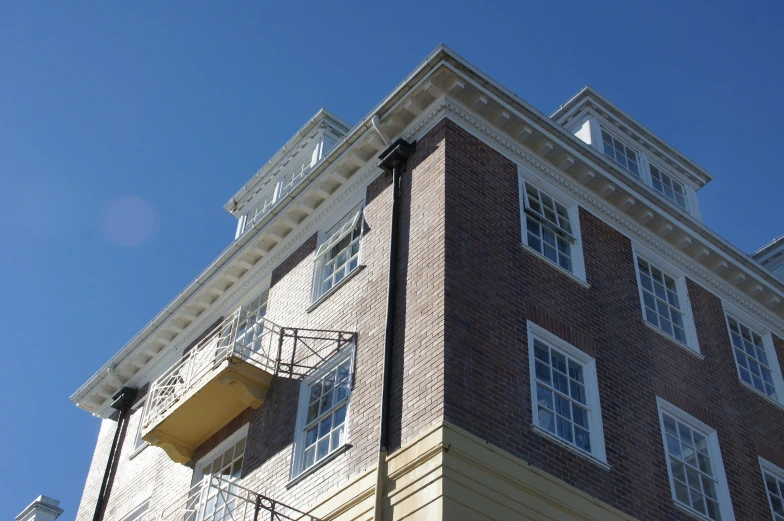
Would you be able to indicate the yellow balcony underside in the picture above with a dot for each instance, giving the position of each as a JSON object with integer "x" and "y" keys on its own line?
{"x": 200, "y": 412}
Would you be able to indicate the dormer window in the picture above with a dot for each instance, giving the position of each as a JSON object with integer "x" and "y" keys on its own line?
{"x": 621, "y": 153}
{"x": 667, "y": 186}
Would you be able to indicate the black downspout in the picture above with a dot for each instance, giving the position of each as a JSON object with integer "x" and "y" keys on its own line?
{"x": 393, "y": 160}
{"x": 123, "y": 401}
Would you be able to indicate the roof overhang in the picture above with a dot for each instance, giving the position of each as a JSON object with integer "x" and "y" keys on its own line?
{"x": 589, "y": 98}
{"x": 407, "y": 110}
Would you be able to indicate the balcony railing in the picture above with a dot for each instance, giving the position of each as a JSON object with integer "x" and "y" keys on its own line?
{"x": 244, "y": 336}
{"x": 217, "y": 498}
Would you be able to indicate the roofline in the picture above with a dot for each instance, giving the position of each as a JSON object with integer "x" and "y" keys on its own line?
{"x": 441, "y": 52}
{"x": 769, "y": 246}
{"x": 589, "y": 92}
{"x": 321, "y": 115}
{"x": 228, "y": 252}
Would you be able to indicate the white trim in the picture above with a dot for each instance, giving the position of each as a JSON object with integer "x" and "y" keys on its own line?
{"x": 676, "y": 273}
{"x": 593, "y": 403}
{"x": 138, "y": 411}
{"x": 137, "y": 511}
{"x": 526, "y": 175}
{"x": 776, "y": 471}
{"x": 355, "y": 203}
{"x": 767, "y": 343}
{"x": 724, "y": 499}
{"x": 298, "y": 450}
{"x": 232, "y": 440}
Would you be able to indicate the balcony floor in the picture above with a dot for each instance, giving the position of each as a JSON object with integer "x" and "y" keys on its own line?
{"x": 222, "y": 394}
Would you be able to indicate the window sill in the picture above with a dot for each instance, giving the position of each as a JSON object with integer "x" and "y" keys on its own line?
{"x": 305, "y": 473}
{"x": 316, "y": 303}
{"x": 550, "y": 263}
{"x": 688, "y": 349}
{"x": 138, "y": 451}
{"x": 549, "y": 435}
{"x": 691, "y": 512}
{"x": 758, "y": 393}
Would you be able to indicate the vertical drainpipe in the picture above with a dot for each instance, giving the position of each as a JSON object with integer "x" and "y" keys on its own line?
{"x": 123, "y": 401}
{"x": 392, "y": 160}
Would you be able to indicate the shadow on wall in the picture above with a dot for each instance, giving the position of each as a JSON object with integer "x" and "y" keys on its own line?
{"x": 271, "y": 428}
{"x": 424, "y": 150}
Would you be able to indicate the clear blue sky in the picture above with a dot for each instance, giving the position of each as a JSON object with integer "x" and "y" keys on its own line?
{"x": 167, "y": 110}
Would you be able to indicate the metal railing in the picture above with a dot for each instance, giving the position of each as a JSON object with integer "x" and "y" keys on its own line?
{"x": 244, "y": 335}
{"x": 217, "y": 498}
{"x": 249, "y": 337}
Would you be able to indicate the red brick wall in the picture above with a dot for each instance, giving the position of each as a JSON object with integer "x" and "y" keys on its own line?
{"x": 360, "y": 306}
{"x": 493, "y": 284}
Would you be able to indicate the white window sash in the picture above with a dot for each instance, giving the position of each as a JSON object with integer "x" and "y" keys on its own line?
{"x": 714, "y": 450}
{"x": 544, "y": 220}
{"x": 338, "y": 235}
{"x": 591, "y": 386}
{"x": 298, "y": 457}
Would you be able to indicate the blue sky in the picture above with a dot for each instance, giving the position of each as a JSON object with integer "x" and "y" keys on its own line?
{"x": 164, "y": 111}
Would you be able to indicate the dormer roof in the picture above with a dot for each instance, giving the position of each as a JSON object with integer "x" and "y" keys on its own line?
{"x": 296, "y": 143}
{"x": 590, "y": 99}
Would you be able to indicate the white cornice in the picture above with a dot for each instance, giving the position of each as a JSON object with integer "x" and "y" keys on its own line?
{"x": 261, "y": 271}
{"x": 610, "y": 214}
{"x": 442, "y": 72}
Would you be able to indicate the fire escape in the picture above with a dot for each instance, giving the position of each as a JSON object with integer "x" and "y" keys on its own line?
{"x": 221, "y": 499}
{"x": 227, "y": 371}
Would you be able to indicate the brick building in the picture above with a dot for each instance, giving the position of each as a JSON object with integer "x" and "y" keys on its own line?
{"x": 564, "y": 339}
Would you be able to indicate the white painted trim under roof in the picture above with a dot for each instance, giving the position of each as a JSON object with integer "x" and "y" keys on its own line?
{"x": 588, "y": 95}
{"x": 578, "y": 165}
{"x": 290, "y": 146}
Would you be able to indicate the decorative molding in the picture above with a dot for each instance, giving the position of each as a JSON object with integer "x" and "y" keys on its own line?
{"x": 254, "y": 277}
{"x": 618, "y": 220}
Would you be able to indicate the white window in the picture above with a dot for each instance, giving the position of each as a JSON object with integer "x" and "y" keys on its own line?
{"x": 755, "y": 356}
{"x": 138, "y": 442}
{"x": 694, "y": 463}
{"x": 338, "y": 252}
{"x": 225, "y": 460}
{"x": 323, "y": 409}
{"x": 664, "y": 301}
{"x": 216, "y": 477}
{"x": 565, "y": 393}
{"x": 551, "y": 228}
{"x": 140, "y": 513}
{"x": 774, "y": 484}
{"x": 668, "y": 186}
{"x": 620, "y": 152}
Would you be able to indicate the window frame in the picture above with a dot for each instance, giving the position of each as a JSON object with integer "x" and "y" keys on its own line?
{"x": 346, "y": 211}
{"x": 767, "y": 343}
{"x": 778, "y": 473}
{"x": 573, "y": 210}
{"x": 598, "y": 453}
{"x": 208, "y": 458}
{"x": 645, "y": 161}
{"x": 138, "y": 512}
{"x": 138, "y": 410}
{"x": 639, "y": 156}
{"x": 298, "y": 453}
{"x": 712, "y": 437}
{"x": 666, "y": 267}
{"x": 673, "y": 179}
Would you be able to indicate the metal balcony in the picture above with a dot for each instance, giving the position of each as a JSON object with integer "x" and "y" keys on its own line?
{"x": 218, "y": 498}
{"x": 228, "y": 371}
